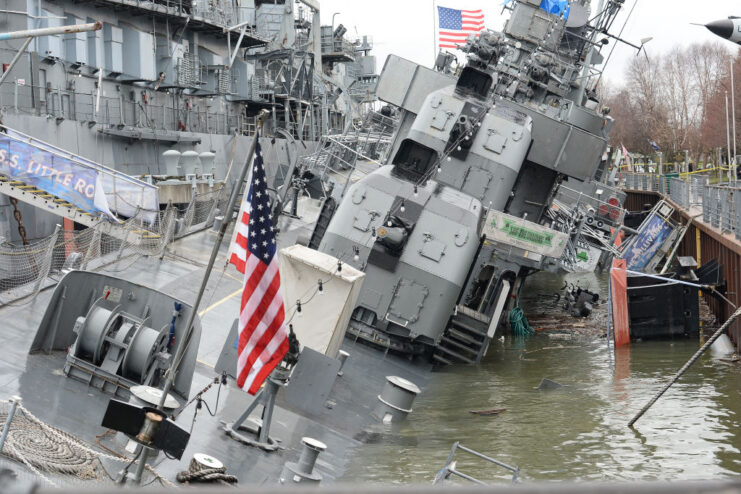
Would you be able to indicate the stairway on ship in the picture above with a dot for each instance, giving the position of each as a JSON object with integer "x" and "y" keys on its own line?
{"x": 466, "y": 339}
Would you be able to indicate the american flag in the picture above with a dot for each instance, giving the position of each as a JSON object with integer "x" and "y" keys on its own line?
{"x": 263, "y": 339}
{"x": 454, "y": 26}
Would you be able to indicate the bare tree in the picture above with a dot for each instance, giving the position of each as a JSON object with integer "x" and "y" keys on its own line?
{"x": 676, "y": 99}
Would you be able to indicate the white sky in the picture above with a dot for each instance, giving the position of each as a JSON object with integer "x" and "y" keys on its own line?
{"x": 405, "y": 27}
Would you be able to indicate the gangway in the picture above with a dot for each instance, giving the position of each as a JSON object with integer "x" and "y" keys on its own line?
{"x": 34, "y": 196}
{"x": 132, "y": 199}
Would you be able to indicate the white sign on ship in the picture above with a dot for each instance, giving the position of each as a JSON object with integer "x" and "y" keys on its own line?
{"x": 510, "y": 230}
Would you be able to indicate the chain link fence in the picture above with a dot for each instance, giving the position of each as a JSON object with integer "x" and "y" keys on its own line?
{"x": 25, "y": 270}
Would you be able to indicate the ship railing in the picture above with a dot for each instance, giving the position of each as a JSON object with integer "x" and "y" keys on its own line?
{"x": 365, "y": 140}
{"x": 219, "y": 13}
{"x": 603, "y": 210}
{"x": 337, "y": 46}
{"x": 88, "y": 108}
{"x": 450, "y": 466}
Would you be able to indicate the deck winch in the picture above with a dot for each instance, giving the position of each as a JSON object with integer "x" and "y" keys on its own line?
{"x": 119, "y": 345}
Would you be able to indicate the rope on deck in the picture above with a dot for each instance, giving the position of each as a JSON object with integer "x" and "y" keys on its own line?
{"x": 43, "y": 448}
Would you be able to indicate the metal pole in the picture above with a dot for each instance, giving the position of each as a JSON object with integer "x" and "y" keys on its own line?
{"x": 6, "y": 428}
{"x": 733, "y": 118}
{"x": 728, "y": 136}
{"x": 48, "y": 31}
{"x": 271, "y": 389}
{"x": 17, "y": 57}
{"x": 686, "y": 366}
{"x": 588, "y": 59}
{"x": 171, "y": 373}
{"x": 141, "y": 465}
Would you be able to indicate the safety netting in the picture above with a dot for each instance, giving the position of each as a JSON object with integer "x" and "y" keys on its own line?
{"x": 26, "y": 269}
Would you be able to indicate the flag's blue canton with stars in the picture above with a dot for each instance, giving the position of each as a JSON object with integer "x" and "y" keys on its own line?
{"x": 450, "y": 18}
{"x": 261, "y": 241}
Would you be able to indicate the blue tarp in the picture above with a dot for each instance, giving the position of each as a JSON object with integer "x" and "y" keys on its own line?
{"x": 558, "y": 7}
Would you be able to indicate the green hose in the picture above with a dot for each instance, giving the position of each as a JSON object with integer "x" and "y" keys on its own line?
{"x": 517, "y": 320}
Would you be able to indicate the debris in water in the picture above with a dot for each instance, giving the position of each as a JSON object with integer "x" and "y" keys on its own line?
{"x": 547, "y": 384}
{"x": 484, "y": 413}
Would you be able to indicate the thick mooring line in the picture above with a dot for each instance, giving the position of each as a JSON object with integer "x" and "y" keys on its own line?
{"x": 686, "y": 366}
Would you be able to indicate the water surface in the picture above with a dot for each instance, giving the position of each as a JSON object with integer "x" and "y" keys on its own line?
{"x": 577, "y": 432}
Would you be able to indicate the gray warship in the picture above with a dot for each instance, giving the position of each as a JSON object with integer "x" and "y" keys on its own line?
{"x": 468, "y": 180}
{"x": 463, "y": 208}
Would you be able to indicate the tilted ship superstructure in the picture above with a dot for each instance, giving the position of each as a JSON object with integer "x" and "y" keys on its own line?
{"x": 462, "y": 210}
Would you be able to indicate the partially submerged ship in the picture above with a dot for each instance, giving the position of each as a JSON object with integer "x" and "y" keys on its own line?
{"x": 463, "y": 208}
{"x": 455, "y": 209}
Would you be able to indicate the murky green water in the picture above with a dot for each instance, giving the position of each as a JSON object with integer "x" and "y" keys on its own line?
{"x": 577, "y": 432}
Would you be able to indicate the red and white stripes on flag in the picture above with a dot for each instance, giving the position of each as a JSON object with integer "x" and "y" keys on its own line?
{"x": 263, "y": 339}
{"x": 454, "y": 26}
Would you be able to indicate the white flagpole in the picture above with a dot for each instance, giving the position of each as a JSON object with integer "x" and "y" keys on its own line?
{"x": 435, "y": 29}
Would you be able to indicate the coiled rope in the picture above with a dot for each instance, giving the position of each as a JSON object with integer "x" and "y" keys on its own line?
{"x": 56, "y": 453}
{"x": 198, "y": 473}
{"x": 517, "y": 320}
{"x": 42, "y": 447}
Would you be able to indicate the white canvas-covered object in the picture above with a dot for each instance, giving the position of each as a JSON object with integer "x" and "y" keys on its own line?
{"x": 323, "y": 320}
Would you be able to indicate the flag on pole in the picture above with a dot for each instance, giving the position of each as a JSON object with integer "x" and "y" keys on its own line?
{"x": 626, "y": 156}
{"x": 263, "y": 339}
{"x": 454, "y": 26}
{"x": 654, "y": 146}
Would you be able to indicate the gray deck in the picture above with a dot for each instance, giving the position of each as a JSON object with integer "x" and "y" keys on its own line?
{"x": 76, "y": 408}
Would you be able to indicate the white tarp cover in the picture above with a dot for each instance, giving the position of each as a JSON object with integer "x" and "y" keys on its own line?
{"x": 323, "y": 320}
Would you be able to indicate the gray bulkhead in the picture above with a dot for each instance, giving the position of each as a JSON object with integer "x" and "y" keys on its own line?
{"x": 418, "y": 291}
{"x": 500, "y": 144}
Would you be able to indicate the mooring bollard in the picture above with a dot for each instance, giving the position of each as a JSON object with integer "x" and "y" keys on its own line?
{"x": 395, "y": 400}
{"x": 11, "y": 413}
{"x": 303, "y": 471}
{"x": 342, "y": 358}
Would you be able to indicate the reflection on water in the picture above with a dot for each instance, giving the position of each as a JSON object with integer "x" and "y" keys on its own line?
{"x": 577, "y": 432}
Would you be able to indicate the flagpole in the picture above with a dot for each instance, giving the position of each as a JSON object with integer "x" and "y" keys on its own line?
{"x": 172, "y": 372}
{"x": 434, "y": 34}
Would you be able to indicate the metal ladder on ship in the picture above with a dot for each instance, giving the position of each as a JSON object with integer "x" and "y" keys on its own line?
{"x": 466, "y": 339}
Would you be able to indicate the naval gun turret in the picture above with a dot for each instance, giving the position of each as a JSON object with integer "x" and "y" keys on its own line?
{"x": 456, "y": 218}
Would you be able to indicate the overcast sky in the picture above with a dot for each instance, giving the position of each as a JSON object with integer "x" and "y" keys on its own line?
{"x": 405, "y": 27}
